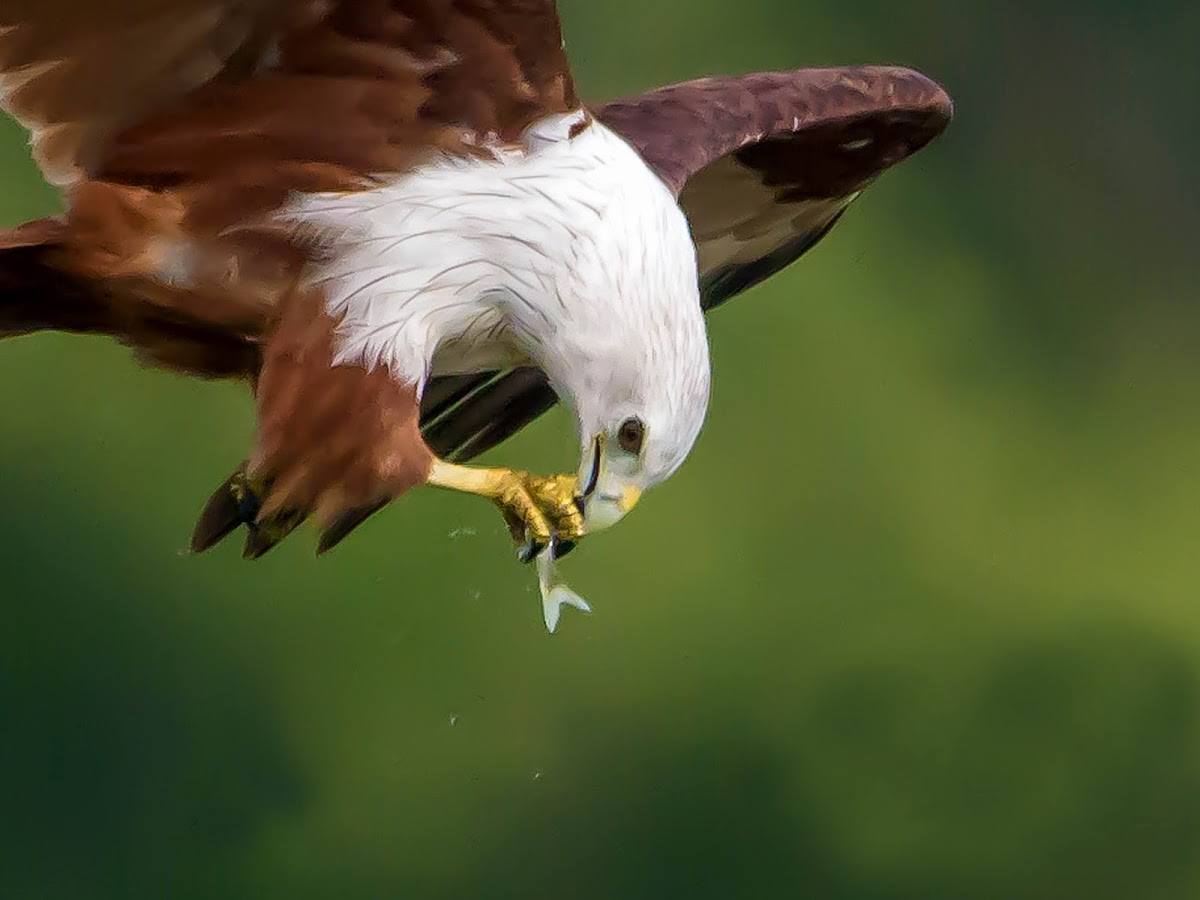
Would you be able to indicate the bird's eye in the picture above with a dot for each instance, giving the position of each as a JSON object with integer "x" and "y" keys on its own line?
{"x": 631, "y": 434}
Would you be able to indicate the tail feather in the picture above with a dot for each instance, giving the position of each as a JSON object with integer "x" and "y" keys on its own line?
{"x": 237, "y": 502}
{"x": 34, "y": 295}
{"x": 339, "y": 529}
{"x": 263, "y": 535}
{"x": 231, "y": 505}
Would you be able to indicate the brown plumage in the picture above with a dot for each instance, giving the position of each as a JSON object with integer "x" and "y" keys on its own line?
{"x": 177, "y": 128}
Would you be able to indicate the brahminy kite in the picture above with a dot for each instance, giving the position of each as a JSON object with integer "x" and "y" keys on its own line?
{"x": 398, "y": 223}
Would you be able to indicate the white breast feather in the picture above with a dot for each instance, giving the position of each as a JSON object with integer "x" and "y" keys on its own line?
{"x": 569, "y": 252}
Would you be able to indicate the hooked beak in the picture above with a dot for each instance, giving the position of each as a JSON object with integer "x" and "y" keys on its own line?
{"x": 607, "y": 496}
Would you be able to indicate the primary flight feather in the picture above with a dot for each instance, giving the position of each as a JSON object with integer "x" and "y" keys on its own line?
{"x": 398, "y": 223}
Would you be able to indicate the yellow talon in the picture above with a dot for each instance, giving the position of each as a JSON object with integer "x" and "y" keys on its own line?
{"x": 556, "y": 497}
{"x": 537, "y": 509}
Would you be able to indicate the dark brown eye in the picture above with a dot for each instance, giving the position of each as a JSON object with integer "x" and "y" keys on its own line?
{"x": 631, "y": 434}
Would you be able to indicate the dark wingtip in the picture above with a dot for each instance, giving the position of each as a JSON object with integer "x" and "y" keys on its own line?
{"x": 943, "y": 105}
{"x": 339, "y": 529}
{"x": 930, "y": 98}
{"x": 920, "y": 90}
{"x": 906, "y": 101}
{"x": 223, "y": 514}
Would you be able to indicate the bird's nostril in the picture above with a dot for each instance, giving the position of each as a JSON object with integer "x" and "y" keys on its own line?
{"x": 579, "y": 504}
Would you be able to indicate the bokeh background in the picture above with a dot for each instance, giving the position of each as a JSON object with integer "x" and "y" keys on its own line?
{"x": 920, "y": 618}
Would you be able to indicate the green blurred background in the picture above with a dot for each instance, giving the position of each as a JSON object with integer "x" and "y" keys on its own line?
{"x": 919, "y": 619}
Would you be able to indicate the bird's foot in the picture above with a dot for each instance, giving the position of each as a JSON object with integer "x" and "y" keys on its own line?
{"x": 541, "y": 512}
{"x": 545, "y": 521}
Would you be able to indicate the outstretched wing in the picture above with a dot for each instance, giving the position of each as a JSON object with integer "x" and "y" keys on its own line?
{"x": 77, "y": 73}
{"x": 74, "y": 71}
{"x": 763, "y": 165}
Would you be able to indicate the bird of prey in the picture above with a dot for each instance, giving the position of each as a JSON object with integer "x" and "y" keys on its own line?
{"x": 396, "y": 221}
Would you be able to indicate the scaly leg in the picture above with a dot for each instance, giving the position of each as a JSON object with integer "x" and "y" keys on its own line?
{"x": 539, "y": 512}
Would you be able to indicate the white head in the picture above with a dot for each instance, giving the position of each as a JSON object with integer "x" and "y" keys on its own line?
{"x": 637, "y": 430}
{"x": 633, "y": 362}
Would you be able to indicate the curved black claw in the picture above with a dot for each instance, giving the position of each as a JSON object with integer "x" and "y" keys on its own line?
{"x": 529, "y": 550}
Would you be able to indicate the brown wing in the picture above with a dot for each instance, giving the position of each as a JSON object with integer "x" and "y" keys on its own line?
{"x": 77, "y": 72}
{"x": 178, "y": 126}
{"x": 763, "y": 166}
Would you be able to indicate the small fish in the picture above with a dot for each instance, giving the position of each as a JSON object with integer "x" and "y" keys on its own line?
{"x": 555, "y": 593}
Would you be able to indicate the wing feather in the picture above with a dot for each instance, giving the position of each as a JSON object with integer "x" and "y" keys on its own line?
{"x": 74, "y": 72}
{"x": 765, "y": 164}
{"x": 85, "y": 77}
